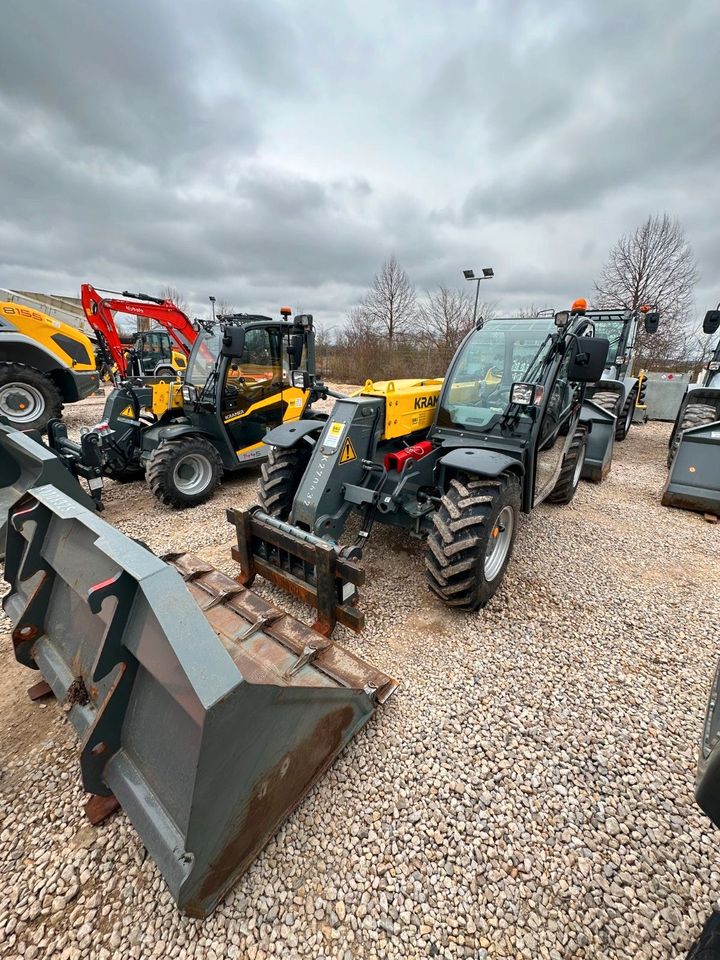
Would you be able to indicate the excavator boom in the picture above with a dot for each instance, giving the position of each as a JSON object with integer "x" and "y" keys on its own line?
{"x": 100, "y": 314}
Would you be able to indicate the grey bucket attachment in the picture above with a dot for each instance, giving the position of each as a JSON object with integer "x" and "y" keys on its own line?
{"x": 600, "y": 442}
{"x": 26, "y": 463}
{"x": 206, "y": 711}
{"x": 694, "y": 479}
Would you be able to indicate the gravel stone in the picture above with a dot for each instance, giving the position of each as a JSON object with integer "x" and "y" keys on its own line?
{"x": 528, "y": 792}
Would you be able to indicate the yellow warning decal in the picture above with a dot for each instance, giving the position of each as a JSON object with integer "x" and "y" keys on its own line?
{"x": 127, "y": 412}
{"x": 348, "y": 452}
{"x": 332, "y": 438}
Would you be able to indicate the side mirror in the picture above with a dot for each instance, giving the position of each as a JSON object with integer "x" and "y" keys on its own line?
{"x": 652, "y": 321}
{"x": 589, "y": 355}
{"x": 295, "y": 350}
{"x": 562, "y": 318}
{"x": 711, "y": 321}
{"x": 233, "y": 341}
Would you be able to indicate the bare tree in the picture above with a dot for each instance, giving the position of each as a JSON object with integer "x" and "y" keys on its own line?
{"x": 172, "y": 293}
{"x": 444, "y": 318}
{"x": 389, "y": 304}
{"x": 225, "y": 308}
{"x": 654, "y": 264}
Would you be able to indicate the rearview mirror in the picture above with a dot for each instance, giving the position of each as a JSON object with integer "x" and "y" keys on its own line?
{"x": 233, "y": 341}
{"x": 295, "y": 351}
{"x": 589, "y": 355}
{"x": 652, "y": 321}
{"x": 711, "y": 321}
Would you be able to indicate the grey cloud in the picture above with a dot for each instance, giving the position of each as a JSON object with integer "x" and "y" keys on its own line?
{"x": 270, "y": 151}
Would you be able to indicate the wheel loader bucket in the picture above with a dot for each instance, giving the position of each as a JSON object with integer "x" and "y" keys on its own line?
{"x": 206, "y": 711}
{"x": 26, "y": 463}
{"x": 693, "y": 482}
{"x": 600, "y": 441}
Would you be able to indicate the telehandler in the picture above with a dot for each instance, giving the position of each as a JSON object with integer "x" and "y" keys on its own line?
{"x": 454, "y": 461}
{"x": 618, "y": 391}
{"x": 44, "y": 363}
{"x": 693, "y": 481}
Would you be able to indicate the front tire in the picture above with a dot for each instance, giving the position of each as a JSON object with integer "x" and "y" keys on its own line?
{"x": 184, "y": 472}
{"x": 28, "y": 399}
{"x": 696, "y": 415}
{"x": 571, "y": 470}
{"x": 471, "y": 542}
{"x": 280, "y": 478}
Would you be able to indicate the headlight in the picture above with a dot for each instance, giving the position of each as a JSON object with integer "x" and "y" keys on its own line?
{"x": 523, "y": 394}
{"x": 299, "y": 378}
{"x": 715, "y": 365}
{"x": 189, "y": 393}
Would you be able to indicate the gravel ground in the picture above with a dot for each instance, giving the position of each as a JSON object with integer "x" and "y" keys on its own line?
{"x": 528, "y": 792}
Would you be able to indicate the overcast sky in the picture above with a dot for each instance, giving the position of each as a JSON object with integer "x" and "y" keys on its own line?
{"x": 277, "y": 152}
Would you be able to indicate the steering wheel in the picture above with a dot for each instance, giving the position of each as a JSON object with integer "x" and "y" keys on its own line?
{"x": 500, "y": 395}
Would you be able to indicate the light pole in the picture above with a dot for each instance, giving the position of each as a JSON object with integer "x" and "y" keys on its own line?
{"x": 487, "y": 273}
{"x": 212, "y": 305}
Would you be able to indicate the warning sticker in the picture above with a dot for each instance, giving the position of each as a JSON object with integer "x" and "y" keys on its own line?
{"x": 332, "y": 438}
{"x": 348, "y": 452}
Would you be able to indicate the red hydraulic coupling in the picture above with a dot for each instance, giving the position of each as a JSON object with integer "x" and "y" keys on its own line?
{"x": 397, "y": 461}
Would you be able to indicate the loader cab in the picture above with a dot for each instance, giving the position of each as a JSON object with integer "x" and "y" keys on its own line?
{"x": 240, "y": 375}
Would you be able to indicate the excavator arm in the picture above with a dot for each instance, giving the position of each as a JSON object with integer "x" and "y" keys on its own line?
{"x": 99, "y": 312}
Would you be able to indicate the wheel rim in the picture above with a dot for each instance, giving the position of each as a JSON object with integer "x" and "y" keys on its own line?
{"x": 579, "y": 465}
{"x": 499, "y": 543}
{"x": 192, "y": 474}
{"x": 21, "y": 403}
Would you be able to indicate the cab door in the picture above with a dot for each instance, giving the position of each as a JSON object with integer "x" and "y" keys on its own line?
{"x": 558, "y": 418}
{"x": 252, "y": 392}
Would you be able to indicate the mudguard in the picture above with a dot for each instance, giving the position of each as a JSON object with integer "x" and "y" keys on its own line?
{"x": 600, "y": 440}
{"x": 207, "y": 712}
{"x": 484, "y": 463}
{"x": 26, "y": 462}
{"x": 288, "y": 434}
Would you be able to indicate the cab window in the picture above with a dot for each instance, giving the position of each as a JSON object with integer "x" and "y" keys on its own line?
{"x": 255, "y": 375}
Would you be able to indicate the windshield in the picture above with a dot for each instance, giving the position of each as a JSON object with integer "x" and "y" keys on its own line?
{"x": 500, "y": 354}
{"x": 613, "y": 331}
{"x": 203, "y": 357}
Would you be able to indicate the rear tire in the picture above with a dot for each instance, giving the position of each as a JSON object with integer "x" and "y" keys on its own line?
{"x": 28, "y": 399}
{"x": 472, "y": 541}
{"x": 607, "y": 399}
{"x": 184, "y": 472}
{"x": 280, "y": 478}
{"x": 166, "y": 371}
{"x": 696, "y": 415}
{"x": 569, "y": 479}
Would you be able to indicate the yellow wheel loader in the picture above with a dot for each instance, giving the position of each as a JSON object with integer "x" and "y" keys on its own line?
{"x": 44, "y": 363}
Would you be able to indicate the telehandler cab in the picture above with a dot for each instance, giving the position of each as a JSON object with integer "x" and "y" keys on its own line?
{"x": 455, "y": 461}
{"x": 240, "y": 382}
{"x": 619, "y": 390}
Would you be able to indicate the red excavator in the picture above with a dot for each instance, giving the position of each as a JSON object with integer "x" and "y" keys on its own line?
{"x": 154, "y": 352}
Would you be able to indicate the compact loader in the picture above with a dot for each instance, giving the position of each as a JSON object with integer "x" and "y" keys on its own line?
{"x": 182, "y": 435}
{"x": 619, "y": 390}
{"x": 44, "y": 363}
{"x": 200, "y": 708}
{"x": 693, "y": 481}
{"x": 455, "y": 461}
